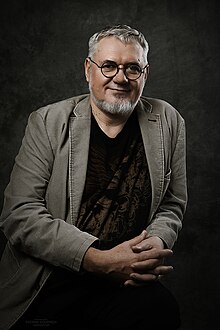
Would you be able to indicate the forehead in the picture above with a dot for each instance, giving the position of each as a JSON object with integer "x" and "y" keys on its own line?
{"x": 113, "y": 49}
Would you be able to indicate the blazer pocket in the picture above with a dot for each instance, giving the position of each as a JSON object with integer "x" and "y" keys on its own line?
{"x": 9, "y": 266}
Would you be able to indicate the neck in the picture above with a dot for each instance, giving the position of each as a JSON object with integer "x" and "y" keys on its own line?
{"x": 110, "y": 124}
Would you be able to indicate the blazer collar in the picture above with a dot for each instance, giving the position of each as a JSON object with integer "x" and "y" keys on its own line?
{"x": 83, "y": 108}
{"x": 79, "y": 132}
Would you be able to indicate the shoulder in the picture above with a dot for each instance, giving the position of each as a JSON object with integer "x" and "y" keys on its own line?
{"x": 60, "y": 110}
{"x": 54, "y": 118}
{"x": 56, "y": 115}
{"x": 167, "y": 112}
{"x": 159, "y": 106}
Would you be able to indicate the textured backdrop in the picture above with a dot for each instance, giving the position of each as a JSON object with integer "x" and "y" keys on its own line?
{"x": 43, "y": 45}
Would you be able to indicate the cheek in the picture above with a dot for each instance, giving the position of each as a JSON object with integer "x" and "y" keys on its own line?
{"x": 136, "y": 89}
{"x": 140, "y": 87}
{"x": 97, "y": 83}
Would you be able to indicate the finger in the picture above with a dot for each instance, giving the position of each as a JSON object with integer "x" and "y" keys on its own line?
{"x": 155, "y": 275}
{"x": 136, "y": 240}
{"x": 141, "y": 247}
{"x": 146, "y": 265}
{"x": 133, "y": 283}
{"x": 140, "y": 278}
{"x": 156, "y": 253}
{"x": 153, "y": 254}
{"x": 162, "y": 270}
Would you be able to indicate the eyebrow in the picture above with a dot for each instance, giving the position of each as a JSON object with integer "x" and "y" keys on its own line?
{"x": 111, "y": 61}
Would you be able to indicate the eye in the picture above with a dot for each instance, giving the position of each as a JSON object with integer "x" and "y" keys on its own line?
{"x": 133, "y": 68}
{"x": 109, "y": 67}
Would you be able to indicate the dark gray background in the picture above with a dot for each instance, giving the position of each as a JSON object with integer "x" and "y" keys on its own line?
{"x": 43, "y": 45}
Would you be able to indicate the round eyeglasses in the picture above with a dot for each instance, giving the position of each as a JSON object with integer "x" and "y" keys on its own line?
{"x": 110, "y": 69}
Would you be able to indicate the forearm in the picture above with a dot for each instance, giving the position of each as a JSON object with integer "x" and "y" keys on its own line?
{"x": 26, "y": 221}
{"x": 51, "y": 240}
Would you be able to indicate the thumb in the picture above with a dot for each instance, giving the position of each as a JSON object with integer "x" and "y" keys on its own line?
{"x": 136, "y": 240}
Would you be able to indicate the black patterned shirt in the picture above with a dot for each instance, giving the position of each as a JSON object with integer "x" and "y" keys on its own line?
{"x": 117, "y": 194}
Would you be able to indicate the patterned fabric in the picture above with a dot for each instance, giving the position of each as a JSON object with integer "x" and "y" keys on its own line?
{"x": 117, "y": 194}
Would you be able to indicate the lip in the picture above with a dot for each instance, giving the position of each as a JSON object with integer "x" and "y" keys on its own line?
{"x": 119, "y": 90}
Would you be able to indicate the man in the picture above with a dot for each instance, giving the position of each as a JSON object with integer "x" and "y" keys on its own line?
{"x": 95, "y": 202}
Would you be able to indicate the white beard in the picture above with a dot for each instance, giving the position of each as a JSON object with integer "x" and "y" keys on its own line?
{"x": 119, "y": 107}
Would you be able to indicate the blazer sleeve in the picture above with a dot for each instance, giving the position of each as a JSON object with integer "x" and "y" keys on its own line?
{"x": 167, "y": 220}
{"x": 25, "y": 219}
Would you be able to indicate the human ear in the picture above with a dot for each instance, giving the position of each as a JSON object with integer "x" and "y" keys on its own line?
{"x": 87, "y": 69}
{"x": 146, "y": 74}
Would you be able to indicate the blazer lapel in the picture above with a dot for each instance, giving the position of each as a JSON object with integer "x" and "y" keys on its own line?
{"x": 80, "y": 126}
{"x": 151, "y": 129}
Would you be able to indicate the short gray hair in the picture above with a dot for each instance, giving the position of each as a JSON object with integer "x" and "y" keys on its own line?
{"x": 124, "y": 33}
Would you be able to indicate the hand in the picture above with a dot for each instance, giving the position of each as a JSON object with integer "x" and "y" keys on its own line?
{"x": 114, "y": 263}
{"x": 123, "y": 264}
{"x": 149, "y": 266}
{"x": 141, "y": 270}
{"x": 148, "y": 242}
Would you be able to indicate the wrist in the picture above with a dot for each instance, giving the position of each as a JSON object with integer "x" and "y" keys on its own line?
{"x": 93, "y": 260}
{"x": 156, "y": 241}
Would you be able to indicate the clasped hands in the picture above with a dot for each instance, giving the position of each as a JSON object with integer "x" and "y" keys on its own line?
{"x": 134, "y": 262}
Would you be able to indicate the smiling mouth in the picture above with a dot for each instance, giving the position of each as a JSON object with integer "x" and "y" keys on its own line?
{"x": 118, "y": 90}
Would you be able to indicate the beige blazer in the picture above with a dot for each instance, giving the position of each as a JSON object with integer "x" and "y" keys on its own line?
{"x": 43, "y": 197}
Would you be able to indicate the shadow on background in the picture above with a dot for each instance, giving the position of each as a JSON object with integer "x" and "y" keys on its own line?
{"x": 43, "y": 45}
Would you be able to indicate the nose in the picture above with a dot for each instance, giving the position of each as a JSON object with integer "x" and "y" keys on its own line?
{"x": 120, "y": 77}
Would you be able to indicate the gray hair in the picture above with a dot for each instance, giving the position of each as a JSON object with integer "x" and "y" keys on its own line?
{"x": 124, "y": 33}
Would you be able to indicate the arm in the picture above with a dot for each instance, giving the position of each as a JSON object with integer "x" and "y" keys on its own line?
{"x": 167, "y": 220}
{"x": 118, "y": 263}
{"x": 25, "y": 220}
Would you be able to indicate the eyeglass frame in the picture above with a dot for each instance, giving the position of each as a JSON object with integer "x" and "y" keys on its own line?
{"x": 124, "y": 69}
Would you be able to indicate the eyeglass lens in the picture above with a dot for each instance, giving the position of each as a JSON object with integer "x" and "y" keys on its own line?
{"x": 132, "y": 71}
